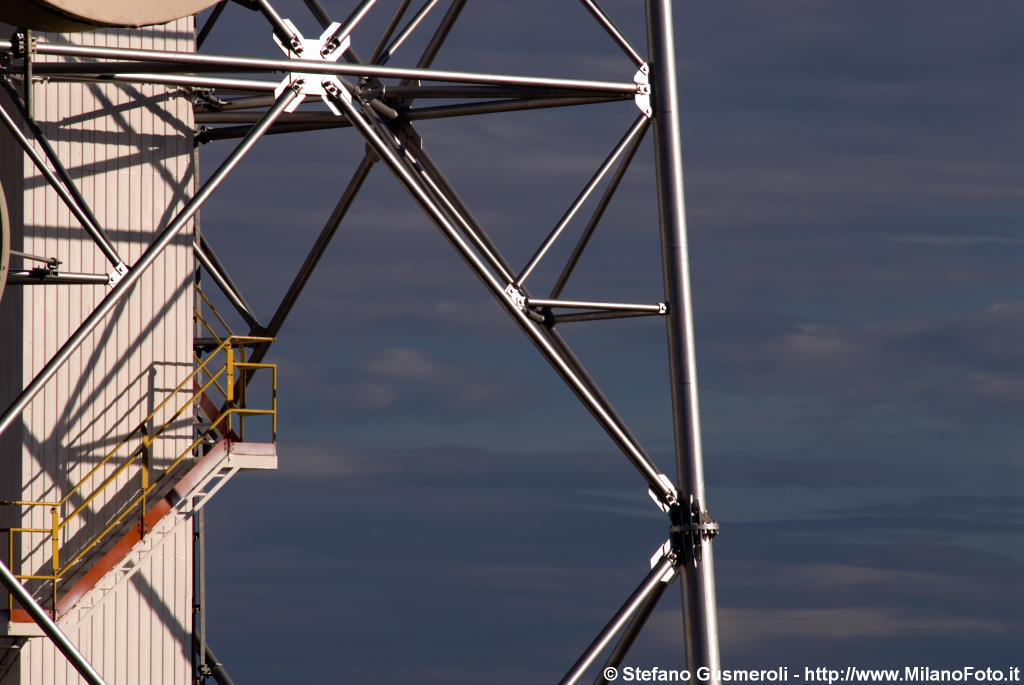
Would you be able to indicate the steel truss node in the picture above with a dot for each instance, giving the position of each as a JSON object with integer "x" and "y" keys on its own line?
{"x": 234, "y": 98}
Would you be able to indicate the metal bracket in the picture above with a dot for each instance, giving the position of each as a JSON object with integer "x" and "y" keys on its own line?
{"x": 690, "y": 528}
{"x": 642, "y": 79}
{"x": 666, "y": 551}
{"x": 320, "y": 50}
{"x": 674, "y": 498}
{"x": 516, "y": 297}
{"x": 24, "y": 44}
{"x": 119, "y": 272}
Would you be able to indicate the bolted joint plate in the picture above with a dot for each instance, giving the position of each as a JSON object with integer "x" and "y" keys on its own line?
{"x": 690, "y": 527}
{"x": 642, "y": 79}
{"x": 326, "y": 48}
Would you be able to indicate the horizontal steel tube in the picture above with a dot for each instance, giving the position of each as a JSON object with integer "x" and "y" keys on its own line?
{"x": 461, "y": 110}
{"x": 647, "y": 587}
{"x": 208, "y": 135}
{"x": 38, "y": 614}
{"x": 599, "y": 316}
{"x": 242, "y": 117}
{"x": 319, "y": 67}
{"x": 45, "y": 276}
{"x": 582, "y": 304}
{"x": 228, "y": 84}
{"x": 492, "y": 92}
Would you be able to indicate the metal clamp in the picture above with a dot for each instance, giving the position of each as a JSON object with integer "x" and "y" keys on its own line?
{"x": 666, "y": 551}
{"x": 690, "y": 528}
{"x": 24, "y": 44}
{"x": 642, "y": 79}
{"x": 516, "y": 297}
{"x": 119, "y": 272}
{"x": 671, "y": 499}
{"x": 326, "y": 48}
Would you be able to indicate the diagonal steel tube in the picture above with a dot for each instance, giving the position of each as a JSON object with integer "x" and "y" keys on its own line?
{"x": 697, "y": 581}
{"x": 350, "y": 23}
{"x": 609, "y": 26}
{"x": 406, "y": 32}
{"x": 635, "y": 130}
{"x": 649, "y": 585}
{"x": 281, "y": 29}
{"x": 595, "y": 218}
{"x": 593, "y": 402}
{"x": 315, "y": 253}
{"x": 437, "y": 40}
{"x": 38, "y": 614}
{"x": 84, "y": 218}
{"x": 220, "y": 278}
{"x": 318, "y": 12}
{"x": 629, "y": 635}
{"x": 208, "y": 26}
{"x": 147, "y": 258}
{"x": 382, "y": 42}
{"x": 207, "y": 249}
{"x": 457, "y": 210}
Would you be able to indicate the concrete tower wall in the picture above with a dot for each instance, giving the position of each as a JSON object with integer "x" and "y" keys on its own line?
{"x": 129, "y": 150}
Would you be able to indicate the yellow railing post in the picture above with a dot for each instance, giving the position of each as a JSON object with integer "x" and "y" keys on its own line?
{"x": 55, "y": 556}
{"x": 229, "y": 364}
{"x": 144, "y": 468}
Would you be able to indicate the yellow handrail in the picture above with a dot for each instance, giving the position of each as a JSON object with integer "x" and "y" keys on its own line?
{"x": 142, "y": 439}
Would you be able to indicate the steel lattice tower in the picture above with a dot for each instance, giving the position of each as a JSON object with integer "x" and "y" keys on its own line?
{"x": 381, "y": 103}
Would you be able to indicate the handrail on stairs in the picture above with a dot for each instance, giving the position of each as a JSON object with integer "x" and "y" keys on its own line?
{"x": 135, "y": 450}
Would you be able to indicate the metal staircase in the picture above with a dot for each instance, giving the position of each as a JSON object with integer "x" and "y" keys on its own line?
{"x": 154, "y": 502}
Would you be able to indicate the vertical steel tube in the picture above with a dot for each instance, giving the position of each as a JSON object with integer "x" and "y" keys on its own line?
{"x": 696, "y": 575}
{"x": 147, "y": 258}
{"x": 639, "y": 597}
{"x": 59, "y": 639}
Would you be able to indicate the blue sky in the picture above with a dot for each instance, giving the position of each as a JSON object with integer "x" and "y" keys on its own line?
{"x": 445, "y": 510}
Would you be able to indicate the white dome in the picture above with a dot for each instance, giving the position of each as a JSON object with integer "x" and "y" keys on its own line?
{"x": 81, "y": 15}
